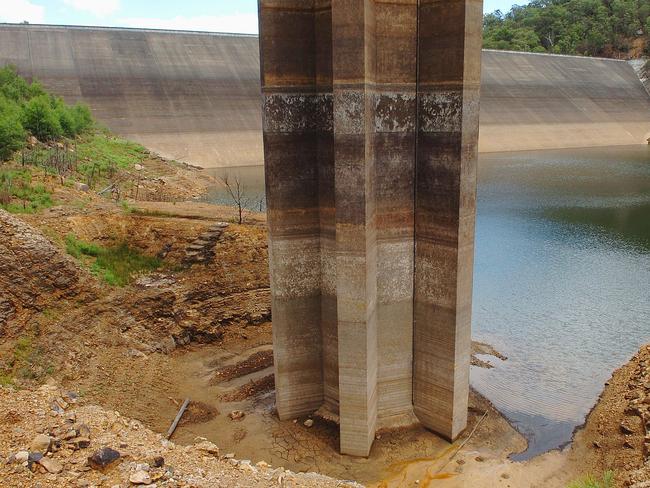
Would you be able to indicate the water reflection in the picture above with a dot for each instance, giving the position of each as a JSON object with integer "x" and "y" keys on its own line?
{"x": 252, "y": 181}
{"x": 562, "y": 280}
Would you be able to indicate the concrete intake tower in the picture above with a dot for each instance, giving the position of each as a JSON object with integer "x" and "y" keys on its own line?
{"x": 370, "y": 118}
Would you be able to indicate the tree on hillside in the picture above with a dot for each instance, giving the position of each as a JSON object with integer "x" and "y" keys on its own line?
{"x": 12, "y": 134}
{"x": 28, "y": 108}
{"x": 237, "y": 193}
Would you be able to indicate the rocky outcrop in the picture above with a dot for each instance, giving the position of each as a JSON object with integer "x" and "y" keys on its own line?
{"x": 34, "y": 274}
{"x": 642, "y": 69}
{"x": 636, "y": 425}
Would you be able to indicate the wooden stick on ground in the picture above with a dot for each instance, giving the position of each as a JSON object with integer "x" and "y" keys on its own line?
{"x": 179, "y": 415}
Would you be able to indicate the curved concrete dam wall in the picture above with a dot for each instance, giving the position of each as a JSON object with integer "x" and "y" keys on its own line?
{"x": 196, "y": 96}
{"x": 538, "y": 101}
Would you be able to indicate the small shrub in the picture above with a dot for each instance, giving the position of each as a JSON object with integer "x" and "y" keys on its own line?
{"x": 73, "y": 120}
{"x": 607, "y": 481}
{"x": 66, "y": 118}
{"x": 41, "y": 120}
{"x": 6, "y": 379}
{"x": 13, "y": 86}
{"x": 127, "y": 207}
{"x": 27, "y": 362}
{"x": 12, "y": 137}
{"x": 12, "y": 134}
{"x": 82, "y": 117}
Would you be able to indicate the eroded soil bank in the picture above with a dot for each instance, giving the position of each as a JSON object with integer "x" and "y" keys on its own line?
{"x": 199, "y": 327}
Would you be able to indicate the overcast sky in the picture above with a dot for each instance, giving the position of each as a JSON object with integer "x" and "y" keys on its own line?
{"x": 206, "y": 15}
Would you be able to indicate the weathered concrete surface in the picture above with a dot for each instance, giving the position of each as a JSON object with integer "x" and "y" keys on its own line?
{"x": 364, "y": 201}
{"x": 536, "y": 101}
{"x": 445, "y": 209}
{"x": 195, "y": 96}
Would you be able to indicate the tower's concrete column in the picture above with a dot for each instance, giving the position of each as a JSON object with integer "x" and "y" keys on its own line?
{"x": 297, "y": 124}
{"x": 356, "y": 243}
{"x": 449, "y": 54}
{"x": 370, "y": 111}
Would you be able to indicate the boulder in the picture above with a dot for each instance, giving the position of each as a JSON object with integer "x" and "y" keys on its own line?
{"x": 103, "y": 458}
{"x": 41, "y": 443}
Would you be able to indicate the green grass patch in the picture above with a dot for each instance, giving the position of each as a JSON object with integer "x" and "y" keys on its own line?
{"x": 589, "y": 481}
{"x": 18, "y": 195}
{"x": 106, "y": 151}
{"x": 154, "y": 213}
{"x": 116, "y": 265}
{"x": 127, "y": 207}
{"x": 26, "y": 363}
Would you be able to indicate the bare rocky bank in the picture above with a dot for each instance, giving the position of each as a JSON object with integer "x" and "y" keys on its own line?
{"x": 50, "y": 437}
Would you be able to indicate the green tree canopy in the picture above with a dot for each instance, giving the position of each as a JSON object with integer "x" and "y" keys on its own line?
{"x": 582, "y": 27}
{"x": 26, "y": 108}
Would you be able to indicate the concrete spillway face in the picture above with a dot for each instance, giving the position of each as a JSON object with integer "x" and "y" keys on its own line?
{"x": 537, "y": 101}
{"x": 370, "y": 134}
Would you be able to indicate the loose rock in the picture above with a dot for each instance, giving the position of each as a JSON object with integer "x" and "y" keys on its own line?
{"x": 626, "y": 427}
{"x": 236, "y": 415}
{"x": 51, "y": 465}
{"x": 103, "y": 458}
{"x": 41, "y": 443}
{"x": 140, "y": 478}
{"x": 208, "y": 447}
{"x": 158, "y": 462}
{"x": 20, "y": 457}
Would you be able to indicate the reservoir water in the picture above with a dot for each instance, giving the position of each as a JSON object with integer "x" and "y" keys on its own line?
{"x": 561, "y": 280}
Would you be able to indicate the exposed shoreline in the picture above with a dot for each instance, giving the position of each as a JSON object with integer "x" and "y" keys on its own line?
{"x": 141, "y": 349}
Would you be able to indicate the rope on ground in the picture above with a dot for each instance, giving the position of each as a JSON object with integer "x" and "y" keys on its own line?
{"x": 464, "y": 442}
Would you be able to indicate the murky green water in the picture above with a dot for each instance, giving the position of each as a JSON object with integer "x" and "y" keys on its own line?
{"x": 562, "y": 279}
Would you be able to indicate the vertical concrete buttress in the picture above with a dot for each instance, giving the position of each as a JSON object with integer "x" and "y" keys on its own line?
{"x": 445, "y": 206}
{"x": 370, "y": 112}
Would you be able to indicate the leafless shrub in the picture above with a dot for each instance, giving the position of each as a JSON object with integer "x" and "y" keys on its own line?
{"x": 237, "y": 193}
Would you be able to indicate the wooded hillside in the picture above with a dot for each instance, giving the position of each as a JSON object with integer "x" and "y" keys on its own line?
{"x": 609, "y": 28}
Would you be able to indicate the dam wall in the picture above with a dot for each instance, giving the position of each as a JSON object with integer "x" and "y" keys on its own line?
{"x": 187, "y": 96}
{"x": 541, "y": 101}
{"x": 195, "y": 97}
